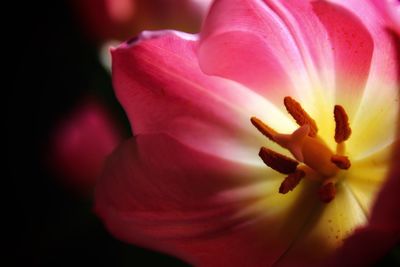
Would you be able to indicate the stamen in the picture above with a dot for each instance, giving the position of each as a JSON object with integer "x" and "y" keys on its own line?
{"x": 300, "y": 115}
{"x": 291, "y": 181}
{"x": 263, "y": 128}
{"x": 278, "y": 162}
{"x": 342, "y": 130}
{"x": 342, "y": 162}
{"x": 320, "y": 163}
{"x": 327, "y": 192}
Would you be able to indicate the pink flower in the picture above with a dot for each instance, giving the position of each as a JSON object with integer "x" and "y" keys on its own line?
{"x": 81, "y": 144}
{"x": 390, "y": 10}
{"x": 120, "y": 19}
{"x": 191, "y": 182}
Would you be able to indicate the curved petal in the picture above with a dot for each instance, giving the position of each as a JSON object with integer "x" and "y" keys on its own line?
{"x": 285, "y": 59}
{"x": 247, "y": 42}
{"x": 270, "y": 46}
{"x": 161, "y": 87}
{"x": 336, "y": 48}
{"x": 378, "y": 110}
{"x": 158, "y": 193}
{"x": 244, "y": 57}
{"x": 352, "y": 47}
{"x": 390, "y": 11}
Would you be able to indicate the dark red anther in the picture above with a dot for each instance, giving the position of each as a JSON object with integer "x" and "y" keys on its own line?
{"x": 327, "y": 192}
{"x": 291, "y": 181}
{"x": 277, "y": 161}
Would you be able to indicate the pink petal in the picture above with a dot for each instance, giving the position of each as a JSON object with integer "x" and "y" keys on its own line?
{"x": 384, "y": 62}
{"x": 247, "y": 42}
{"x": 352, "y": 48}
{"x": 390, "y": 11}
{"x": 281, "y": 48}
{"x": 379, "y": 101}
{"x": 81, "y": 143}
{"x": 156, "y": 192}
{"x": 161, "y": 87}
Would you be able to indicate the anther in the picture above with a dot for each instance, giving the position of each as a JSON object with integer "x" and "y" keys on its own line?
{"x": 327, "y": 192}
{"x": 342, "y": 162}
{"x": 342, "y": 130}
{"x": 278, "y": 162}
{"x": 263, "y": 128}
{"x": 291, "y": 181}
{"x": 300, "y": 115}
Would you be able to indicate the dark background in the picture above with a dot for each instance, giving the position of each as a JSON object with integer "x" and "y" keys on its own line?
{"x": 52, "y": 67}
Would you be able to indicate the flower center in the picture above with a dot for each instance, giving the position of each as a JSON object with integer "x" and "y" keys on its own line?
{"x": 314, "y": 160}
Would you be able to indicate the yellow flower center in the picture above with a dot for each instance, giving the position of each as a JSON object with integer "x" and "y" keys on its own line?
{"x": 320, "y": 163}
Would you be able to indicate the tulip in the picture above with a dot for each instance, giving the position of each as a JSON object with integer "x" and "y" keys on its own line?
{"x": 81, "y": 143}
{"x": 269, "y": 139}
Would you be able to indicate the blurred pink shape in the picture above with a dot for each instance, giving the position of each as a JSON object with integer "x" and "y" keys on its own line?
{"x": 120, "y": 19}
{"x": 81, "y": 143}
{"x": 120, "y": 10}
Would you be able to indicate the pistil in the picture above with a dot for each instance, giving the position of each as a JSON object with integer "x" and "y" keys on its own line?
{"x": 320, "y": 162}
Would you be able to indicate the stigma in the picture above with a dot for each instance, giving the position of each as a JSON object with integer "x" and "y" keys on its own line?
{"x": 313, "y": 159}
